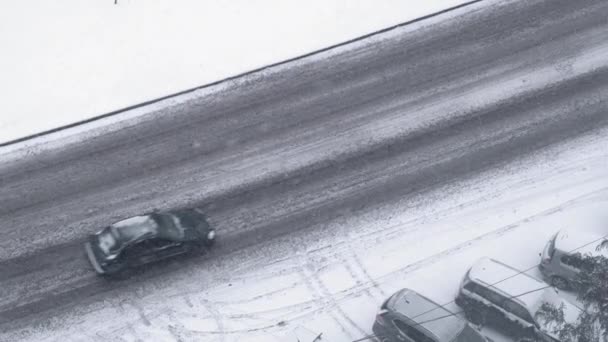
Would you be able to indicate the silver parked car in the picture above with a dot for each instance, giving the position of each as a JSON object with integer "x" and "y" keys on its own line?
{"x": 561, "y": 259}
{"x": 408, "y": 316}
{"x": 500, "y": 295}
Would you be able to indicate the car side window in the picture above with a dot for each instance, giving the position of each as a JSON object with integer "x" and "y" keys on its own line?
{"x": 518, "y": 310}
{"x": 411, "y": 332}
{"x": 137, "y": 249}
{"x": 572, "y": 260}
{"x": 486, "y": 293}
{"x": 157, "y": 243}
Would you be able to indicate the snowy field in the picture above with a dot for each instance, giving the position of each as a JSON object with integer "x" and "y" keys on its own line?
{"x": 332, "y": 281}
{"x": 67, "y": 61}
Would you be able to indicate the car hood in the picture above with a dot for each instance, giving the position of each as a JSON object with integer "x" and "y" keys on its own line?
{"x": 571, "y": 314}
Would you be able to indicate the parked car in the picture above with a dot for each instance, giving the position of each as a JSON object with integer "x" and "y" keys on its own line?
{"x": 409, "y": 316}
{"x": 142, "y": 239}
{"x": 496, "y": 294}
{"x": 561, "y": 259}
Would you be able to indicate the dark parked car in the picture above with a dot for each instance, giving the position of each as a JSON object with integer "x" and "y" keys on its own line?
{"x": 410, "y": 317}
{"x": 142, "y": 239}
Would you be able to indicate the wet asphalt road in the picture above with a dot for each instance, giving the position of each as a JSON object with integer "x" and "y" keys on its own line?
{"x": 388, "y": 117}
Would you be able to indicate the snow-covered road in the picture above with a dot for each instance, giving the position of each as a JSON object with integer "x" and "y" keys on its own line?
{"x": 332, "y": 181}
{"x": 331, "y": 280}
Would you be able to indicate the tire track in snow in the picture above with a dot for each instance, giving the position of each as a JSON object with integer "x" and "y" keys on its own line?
{"x": 355, "y": 290}
{"x": 333, "y": 303}
{"x": 217, "y": 317}
{"x": 353, "y": 265}
{"x": 175, "y": 332}
{"x": 319, "y": 298}
{"x": 366, "y": 276}
{"x": 473, "y": 242}
{"x": 345, "y": 262}
{"x": 142, "y": 318}
{"x": 346, "y": 244}
{"x": 174, "y": 326}
{"x": 370, "y": 282}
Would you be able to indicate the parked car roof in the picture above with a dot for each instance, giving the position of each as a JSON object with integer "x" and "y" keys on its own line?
{"x": 584, "y": 242}
{"x": 436, "y": 319}
{"x": 524, "y": 288}
{"x": 497, "y": 275}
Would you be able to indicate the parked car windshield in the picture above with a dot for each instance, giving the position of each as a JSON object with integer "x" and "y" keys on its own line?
{"x": 571, "y": 312}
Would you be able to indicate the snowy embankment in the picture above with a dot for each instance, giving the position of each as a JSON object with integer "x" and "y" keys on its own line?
{"x": 332, "y": 281}
{"x": 70, "y": 61}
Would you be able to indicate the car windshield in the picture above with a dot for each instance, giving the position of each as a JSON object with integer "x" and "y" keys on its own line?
{"x": 548, "y": 297}
{"x": 571, "y": 312}
{"x": 169, "y": 227}
{"x": 108, "y": 242}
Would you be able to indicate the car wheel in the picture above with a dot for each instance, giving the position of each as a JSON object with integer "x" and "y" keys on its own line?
{"x": 560, "y": 283}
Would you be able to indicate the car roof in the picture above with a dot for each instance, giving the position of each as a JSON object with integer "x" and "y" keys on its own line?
{"x": 136, "y": 227}
{"x": 436, "y": 319}
{"x": 577, "y": 241}
{"x": 521, "y": 286}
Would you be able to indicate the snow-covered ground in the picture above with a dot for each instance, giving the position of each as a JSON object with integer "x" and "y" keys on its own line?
{"x": 82, "y": 59}
{"x": 332, "y": 280}
{"x": 67, "y": 61}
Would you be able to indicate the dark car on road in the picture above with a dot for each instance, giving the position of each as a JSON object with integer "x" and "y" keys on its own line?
{"x": 143, "y": 239}
{"x": 408, "y": 316}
